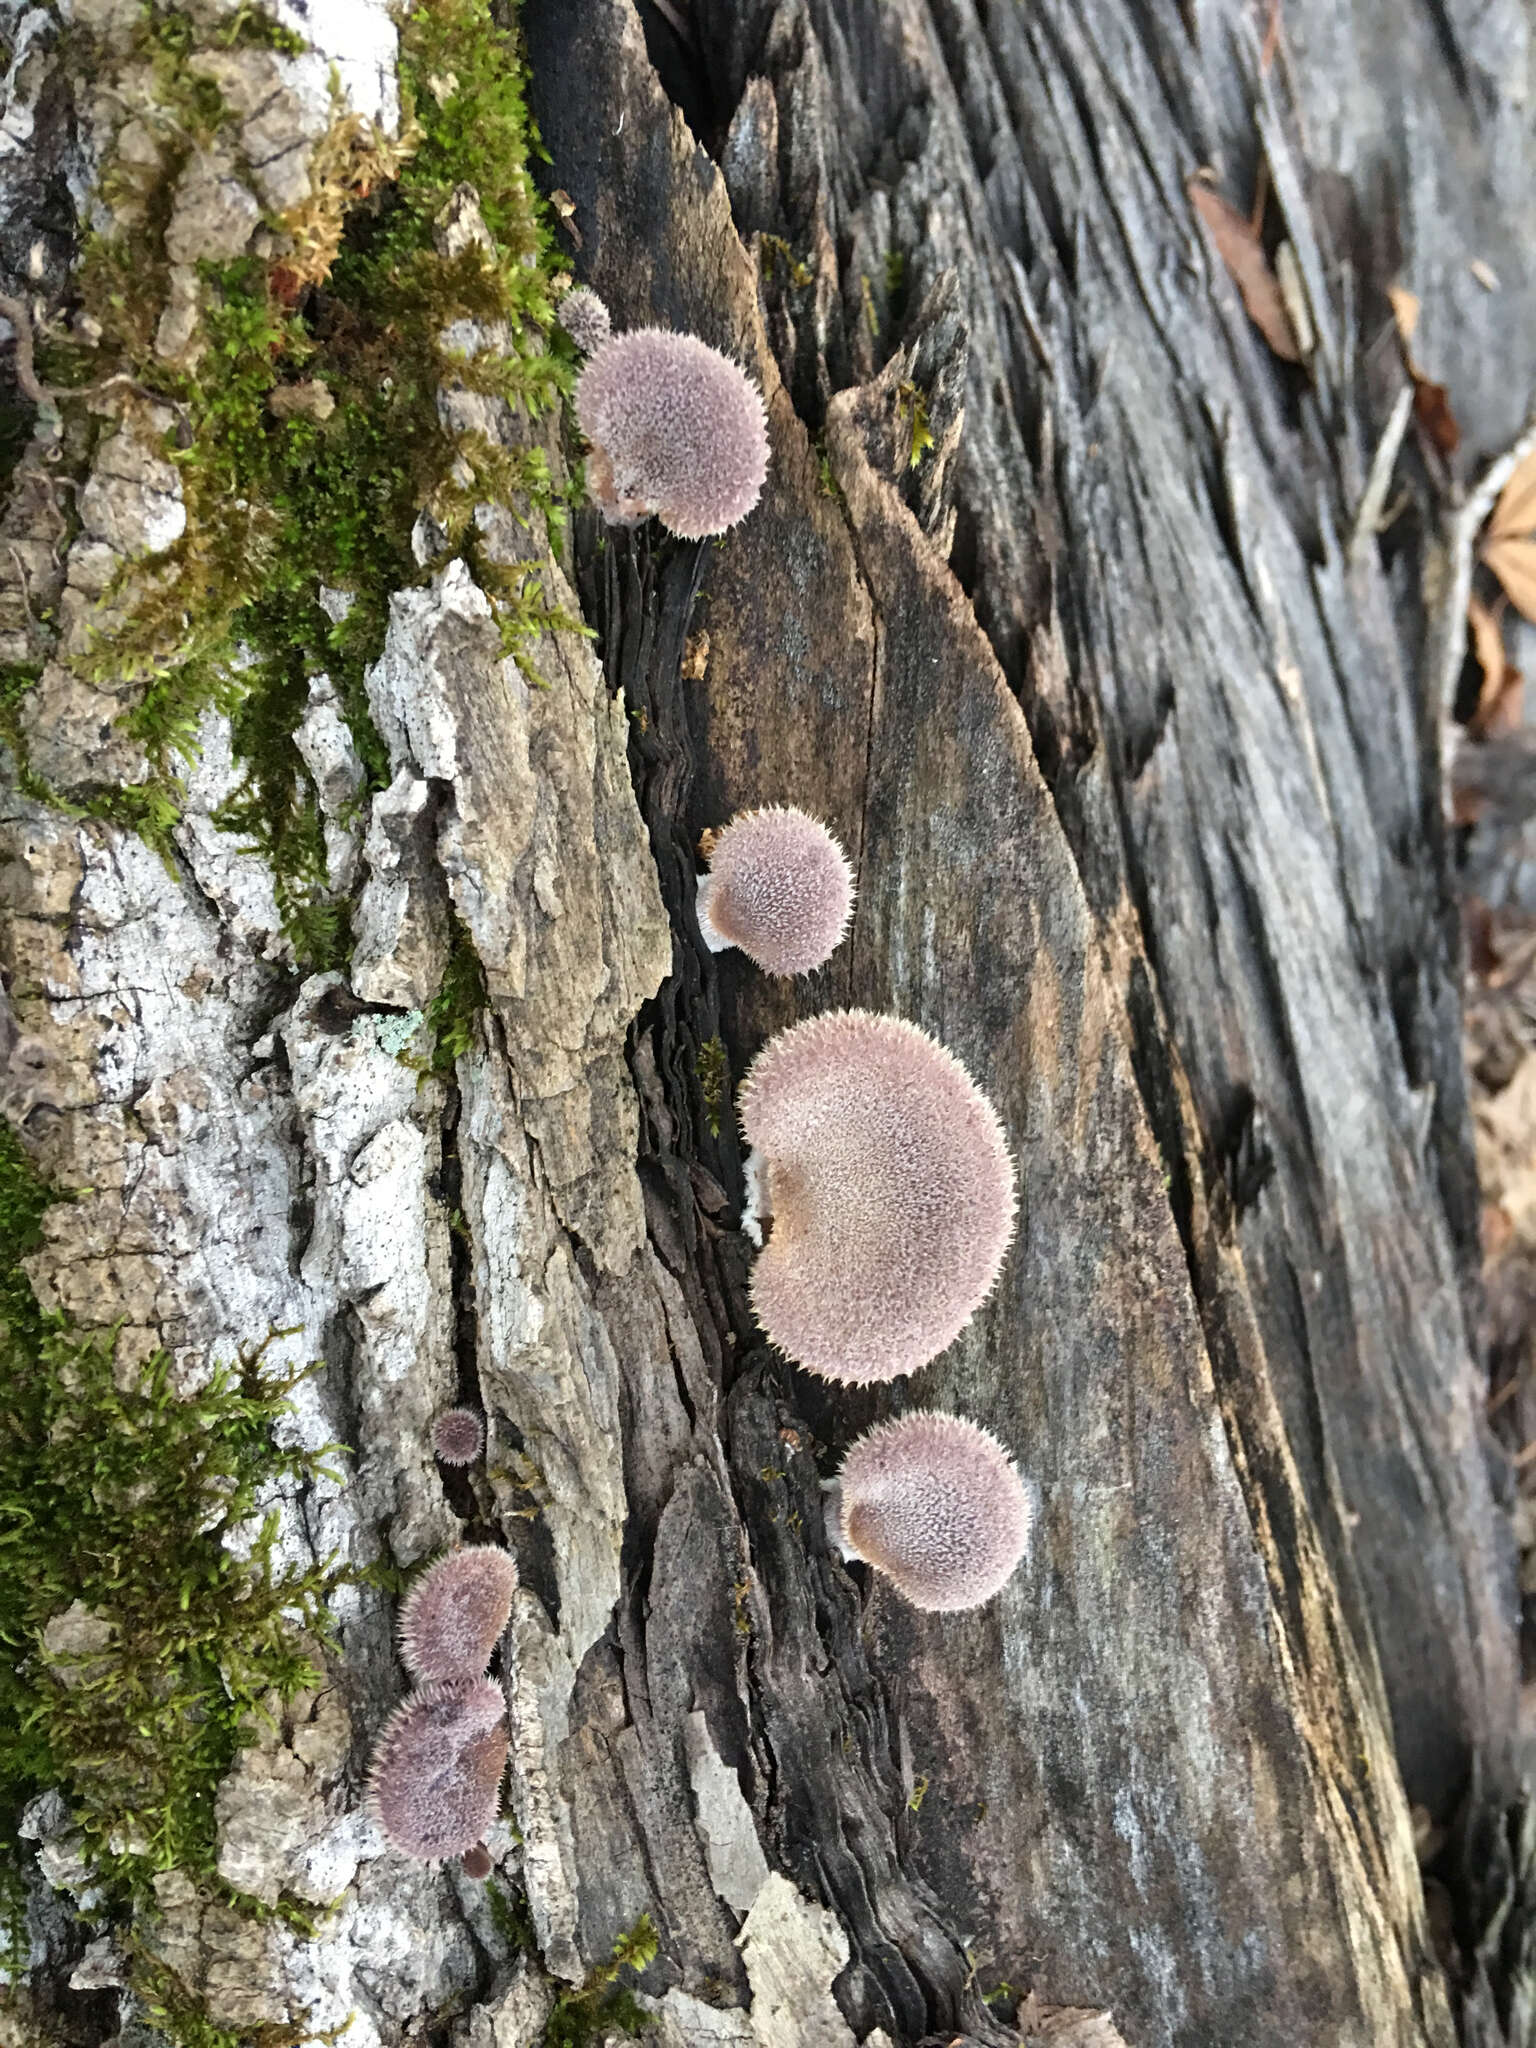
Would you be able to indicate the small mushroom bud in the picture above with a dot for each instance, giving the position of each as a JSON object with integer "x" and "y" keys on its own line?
{"x": 476, "y": 1863}
{"x": 676, "y": 429}
{"x": 888, "y": 1179}
{"x": 454, "y": 1615}
{"x": 437, "y": 1769}
{"x": 779, "y": 886}
{"x": 585, "y": 319}
{"x": 934, "y": 1502}
{"x": 458, "y": 1436}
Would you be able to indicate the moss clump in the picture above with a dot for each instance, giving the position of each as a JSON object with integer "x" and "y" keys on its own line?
{"x": 120, "y": 1500}
{"x": 280, "y": 503}
{"x": 173, "y": 30}
{"x": 452, "y": 1012}
{"x": 713, "y": 1069}
{"x": 601, "y": 2005}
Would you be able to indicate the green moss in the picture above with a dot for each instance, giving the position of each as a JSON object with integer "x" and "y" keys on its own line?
{"x": 250, "y": 27}
{"x": 452, "y": 1012}
{"x": 277, "y": 506}
{"x": 120, "y": 1499}
{"x": 714, "y": 1074}
{"x": 912, "y": 410}
{"x": 599, "y": 2006}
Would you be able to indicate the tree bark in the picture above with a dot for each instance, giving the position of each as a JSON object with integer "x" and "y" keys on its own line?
{"x": 1133, "y": 732}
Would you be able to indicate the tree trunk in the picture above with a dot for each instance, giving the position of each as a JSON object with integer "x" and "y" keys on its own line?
{"x": 1061, "y": 608}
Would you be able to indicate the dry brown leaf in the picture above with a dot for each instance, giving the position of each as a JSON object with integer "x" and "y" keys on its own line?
{"x": 1488, "y": 646}
{"x": 1067, "y": 2026}
{"x": 1432, "y": 410}
{"x": 1515, "y": 512}
{"x": 1240, "y": 249}
{"x": 1508, "y": 714}
{"x": 1514, "y": 563}
{"x": 1405, "y": 311}
{"x": 1431, "y": 405}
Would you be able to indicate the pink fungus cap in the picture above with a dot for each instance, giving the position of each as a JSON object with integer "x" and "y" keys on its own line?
{"x": 887, "y": 1176}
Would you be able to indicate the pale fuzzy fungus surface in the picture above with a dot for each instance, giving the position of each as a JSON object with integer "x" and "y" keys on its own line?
{"x": 436, "y": 1773}
{"x": 887, "y": 1176}
{"x": 585, "y": 319}
{"x": 934, "y": 1502}
{"x": 676, "y": 430}
{"x": 779, "y": 886}
{"x": 454, "y": 1615}
{"x": 458, "y": 1436}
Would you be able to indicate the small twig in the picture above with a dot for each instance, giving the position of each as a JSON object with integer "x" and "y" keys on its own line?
{"x": 1506, "y": 1393}
{"x": 27, "y": 380}
{"x": 26, "y": 375}
{"x": 1525, "y": 1456}
{"x": 21, "y": 586}
{"x": 1379, "y": 482}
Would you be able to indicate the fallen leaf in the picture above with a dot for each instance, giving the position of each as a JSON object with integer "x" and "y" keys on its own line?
{"x": 1432, "y": 410}
{"x": 1514, "y": 563}
{"x": 1431, "y": 406}
{"x": 1501, "y": 680}
{"x": 1516, "y": 510}
{"x": 1405, "y": 311}
{"x": 1242, "y": 252}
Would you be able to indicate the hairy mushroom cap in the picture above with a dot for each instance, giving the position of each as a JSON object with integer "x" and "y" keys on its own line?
{"x": 458, "y": 1436}
{"x": 437, "y": 1769}
{"x": 585, "y": 319}
{"x": 934, "y": 1502}
{"x": 675, "y": 428}
{"x": 779, "y": 886}
{"x": 453, "y": 1616}
{"x": 476, "y": 1863}
{"x": 888, "y": 1179}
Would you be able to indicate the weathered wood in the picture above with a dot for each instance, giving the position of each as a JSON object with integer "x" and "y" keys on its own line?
{"x": 1128, "y": 744}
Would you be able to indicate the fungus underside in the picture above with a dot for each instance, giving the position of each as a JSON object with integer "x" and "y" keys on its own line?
{"x": 119, "y": 1500}
{"x": 276, "y": 507}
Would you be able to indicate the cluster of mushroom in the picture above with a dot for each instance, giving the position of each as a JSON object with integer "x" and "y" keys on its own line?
{"x": 880, "y": 1165}
{"x": 435, "y": 1781}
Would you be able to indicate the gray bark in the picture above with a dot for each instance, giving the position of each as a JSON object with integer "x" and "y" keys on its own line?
{"x": 1137, "y": 750}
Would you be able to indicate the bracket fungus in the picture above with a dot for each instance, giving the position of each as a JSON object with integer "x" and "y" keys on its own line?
{"x": 436, "y": 1777}
{"x": 458, "y": 1436}
{"x": 779, "y": 886}
{"x": 454, "y": 1615}
{"x": 676, "y": 430}
{"x": 934, "y": 1502}
{"x": 887, "y": 1176}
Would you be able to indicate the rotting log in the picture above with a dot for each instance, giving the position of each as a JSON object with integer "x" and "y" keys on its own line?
{"x": 1055, "y": 608}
